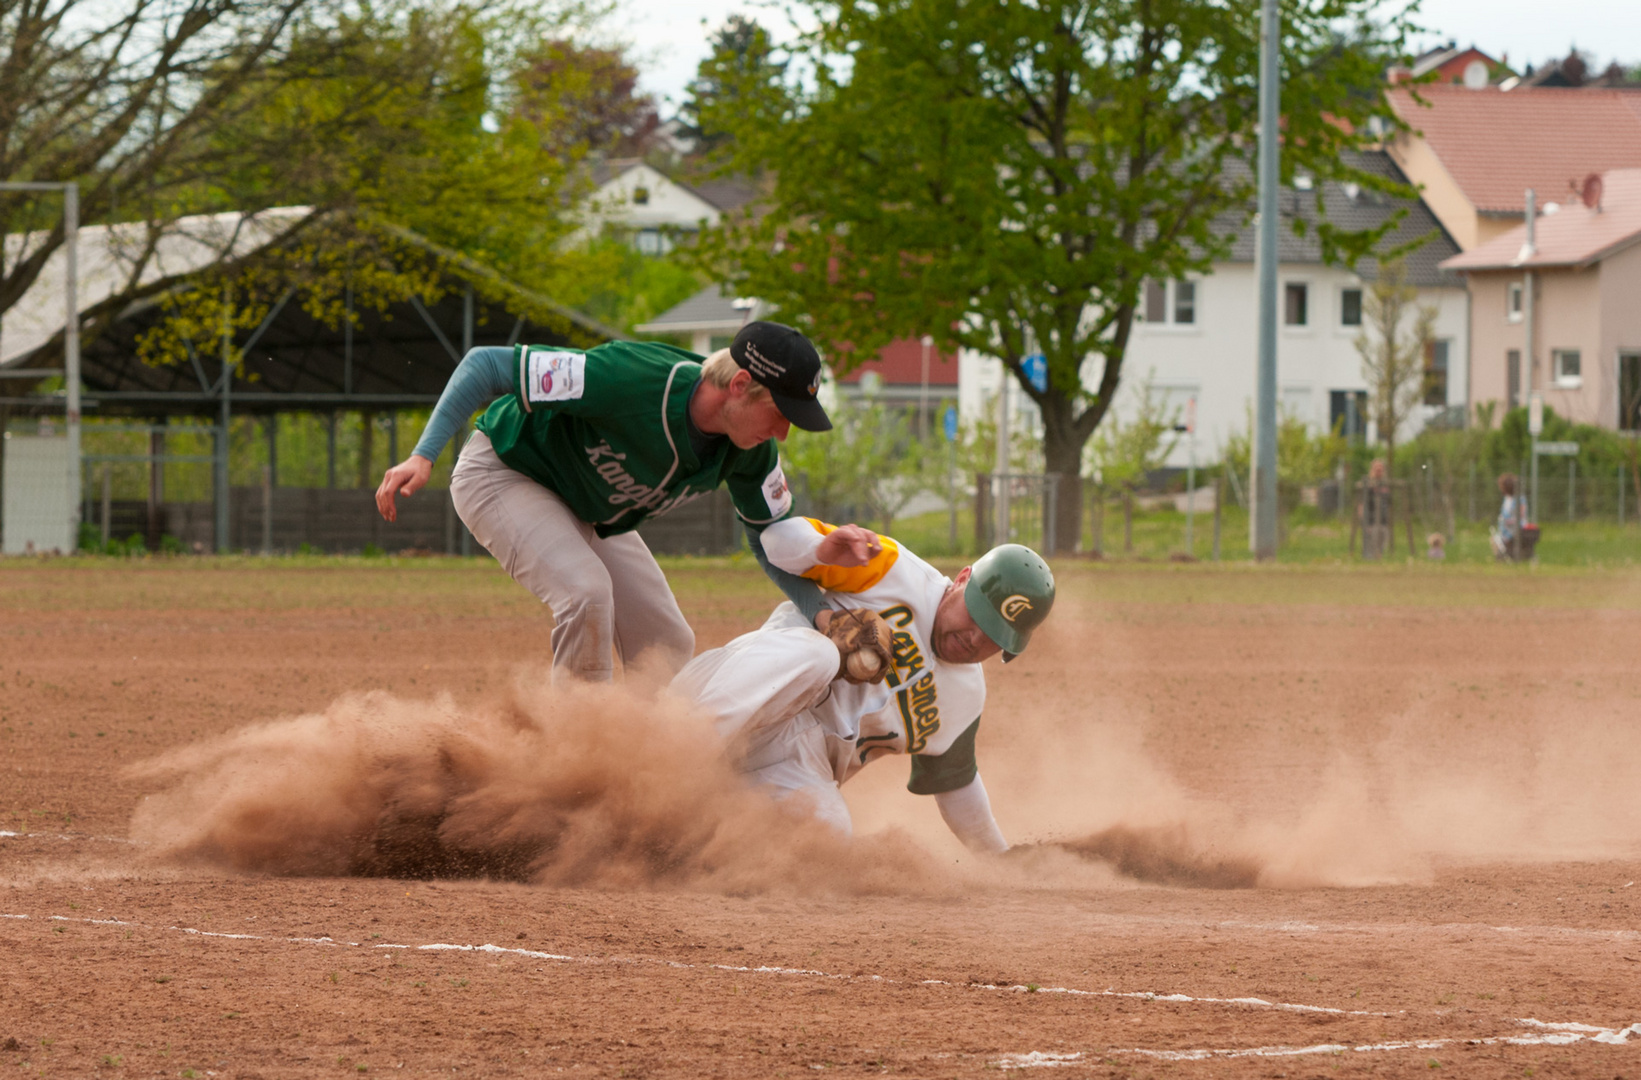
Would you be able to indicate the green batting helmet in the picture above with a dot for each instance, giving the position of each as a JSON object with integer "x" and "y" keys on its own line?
{"x": 1009, "y": 594}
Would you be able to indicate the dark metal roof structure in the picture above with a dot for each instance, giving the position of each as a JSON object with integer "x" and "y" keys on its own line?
{"x": 398, "y": 358}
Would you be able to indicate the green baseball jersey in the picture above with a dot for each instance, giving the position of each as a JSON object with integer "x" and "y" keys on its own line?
{"x": 605, "y": 428}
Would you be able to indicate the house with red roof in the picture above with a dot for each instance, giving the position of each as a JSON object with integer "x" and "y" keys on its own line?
{"x": 1474, "y": 152}
{"x": 1582, "y": 306}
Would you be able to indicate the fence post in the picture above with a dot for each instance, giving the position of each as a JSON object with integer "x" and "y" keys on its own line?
{"x": 1219, "y": 502}
{"x": 982, "y": 513}
{"x": 1407, "y": 521}
{"x": 1127, "y": 520}
{"x": 1621, "y": 494}
{"x": 1098, "y": 513}
{"x": 268, "y": 509}
{"x": 108, "y": 502}
{"x": 1572, "y": 473}
{"x": 1051, "y": 491}
{"x": 1472, "y": 491}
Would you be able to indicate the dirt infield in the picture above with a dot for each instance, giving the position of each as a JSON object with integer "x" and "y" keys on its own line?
{"x": 1329, "y": 823}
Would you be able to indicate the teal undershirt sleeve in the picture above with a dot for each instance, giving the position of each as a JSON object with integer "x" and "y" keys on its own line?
{"x": 804, "y": 594}
{"x": 484, "y": 374}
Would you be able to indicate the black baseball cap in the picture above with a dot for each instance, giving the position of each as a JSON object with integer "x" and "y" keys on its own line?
{"x": 786, "y": 362}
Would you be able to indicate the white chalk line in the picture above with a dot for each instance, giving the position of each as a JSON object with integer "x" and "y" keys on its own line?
{"x": 7, "y": 835}
{"x": 1550, "y": 1034}
{"x": 1555, "y": 1034}
{"x": 535, "y": 954}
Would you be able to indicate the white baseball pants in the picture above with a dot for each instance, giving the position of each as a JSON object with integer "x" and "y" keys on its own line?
{"x": 607, "y": 594}
{"x": 762, "y": 688}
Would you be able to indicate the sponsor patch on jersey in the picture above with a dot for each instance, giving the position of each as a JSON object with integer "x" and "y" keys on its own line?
{"x": 554, "y": 376}
{"x": 776, "y": 493}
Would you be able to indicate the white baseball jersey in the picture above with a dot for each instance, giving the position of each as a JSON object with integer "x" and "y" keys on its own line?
{"x": 925, "y": 707}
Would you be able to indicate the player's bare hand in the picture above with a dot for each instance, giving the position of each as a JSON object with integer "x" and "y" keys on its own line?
{"x": 849, "y": 545}
{"x": 406, "y": 478}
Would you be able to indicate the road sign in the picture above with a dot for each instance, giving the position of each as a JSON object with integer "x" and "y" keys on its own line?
{"x": 1556, "y": 449}
{"x": 950, "y": 421}
{"x": 1036, "y": 366}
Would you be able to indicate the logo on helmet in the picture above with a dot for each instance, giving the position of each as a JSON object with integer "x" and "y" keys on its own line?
{"x": 1015, "y": 606}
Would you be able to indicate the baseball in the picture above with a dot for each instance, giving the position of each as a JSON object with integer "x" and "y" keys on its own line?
{"x": 863, "y": 665}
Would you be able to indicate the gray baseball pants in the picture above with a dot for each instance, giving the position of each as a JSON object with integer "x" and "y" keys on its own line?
{"x": 607, "y": 595}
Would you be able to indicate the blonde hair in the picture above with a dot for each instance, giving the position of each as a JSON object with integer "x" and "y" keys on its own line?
{"x": 719, "y": 368}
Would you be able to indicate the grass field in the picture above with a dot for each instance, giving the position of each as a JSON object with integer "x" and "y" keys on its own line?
{"x": 1425, "y": 778}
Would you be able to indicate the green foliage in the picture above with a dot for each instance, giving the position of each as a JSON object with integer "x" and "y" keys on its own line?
{"x": 743, "y": 72}
{"x": 1125, "y": 452}
{"x": 871, "y": 462}
{"x": 401, "y": 125}
{"x": 622, "y": 287}
{"x": 1303, "y": 456}
{"x": 1005, "y": 177}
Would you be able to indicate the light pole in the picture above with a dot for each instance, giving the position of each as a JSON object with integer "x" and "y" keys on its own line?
{"x": 71, "y": 335}
{"x": 1262, "y": 524}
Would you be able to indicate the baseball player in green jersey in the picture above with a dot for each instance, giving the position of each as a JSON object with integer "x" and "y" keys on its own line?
{"x": 793, "y": 725}
{"x": 580, "y": 447}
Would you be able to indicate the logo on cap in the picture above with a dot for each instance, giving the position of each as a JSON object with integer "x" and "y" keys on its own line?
{"x": 1015, "y": 606}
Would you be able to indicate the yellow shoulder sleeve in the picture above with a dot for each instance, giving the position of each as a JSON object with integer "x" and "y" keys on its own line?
{"x": 852, "y": 579}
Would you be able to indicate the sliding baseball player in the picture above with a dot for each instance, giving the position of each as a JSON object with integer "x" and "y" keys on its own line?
{"x": 802, "y": 703}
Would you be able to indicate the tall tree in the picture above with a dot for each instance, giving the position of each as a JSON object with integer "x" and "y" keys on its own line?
{"x": 401, "y": 111}
{"x": 1006, "y": 176}
{"x": 743, "y": 68}
{"x": 585, "y": 99}
{"x": 118, "y": 97}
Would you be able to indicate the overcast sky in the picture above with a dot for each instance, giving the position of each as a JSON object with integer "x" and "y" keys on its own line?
{"x": 669, "y": 39}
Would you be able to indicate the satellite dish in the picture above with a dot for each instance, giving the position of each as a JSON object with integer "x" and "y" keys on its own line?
{"x": 1475, "y": 75}
{"x": 1591, "y": 191}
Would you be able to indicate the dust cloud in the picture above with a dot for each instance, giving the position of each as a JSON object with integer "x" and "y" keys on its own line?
{"x": 1171, "y": 773}
{"x": 600, "y": 785}
{"x": 1163, "y": 770}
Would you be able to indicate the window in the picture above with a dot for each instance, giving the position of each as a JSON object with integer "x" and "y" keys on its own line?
{"x": 1347, "y": 413}
{"x": 1350, "y": 307}
{"x": 1296, "y": 403}
{"x": 1156, "y": 301}
{"x": 1566, "y": 367}
{"x": 1512, "y": 302}
{"x": 1295, "y": 302}
{"x": 641, "y": 196}
{"x": 1435, "y": 372}
{"x": 1155, "y": 307}
{"x": 1629, "y": 391}
{"x": 1512, "y": 367}
{"x": 1185, "y": 301}
{"x": 652, "y": 242}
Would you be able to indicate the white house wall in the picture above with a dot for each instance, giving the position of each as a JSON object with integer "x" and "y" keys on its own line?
{"x": 1214, "y": 358}
{"x": 668, "y": 204}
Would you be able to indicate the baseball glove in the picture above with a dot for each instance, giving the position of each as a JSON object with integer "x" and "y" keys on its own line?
{"x": 865, "y": 642}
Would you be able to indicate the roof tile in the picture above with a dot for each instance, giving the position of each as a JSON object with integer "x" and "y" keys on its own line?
{"x": 1498, "y": 143}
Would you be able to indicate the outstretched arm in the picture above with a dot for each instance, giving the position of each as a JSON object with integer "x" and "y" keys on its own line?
{"x": 483, "y": 374}
{"x": 967, "y": 813}
{"x": 804, "y": 594}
